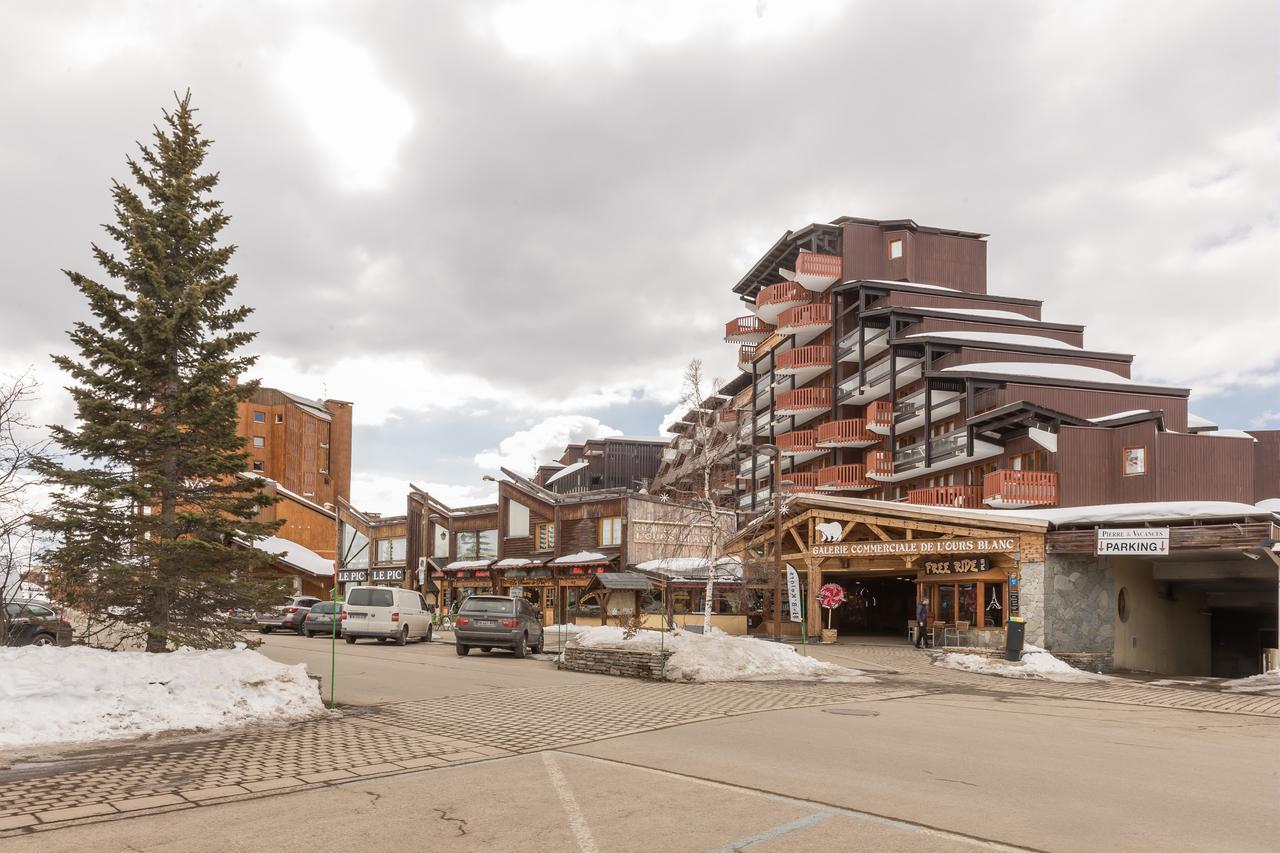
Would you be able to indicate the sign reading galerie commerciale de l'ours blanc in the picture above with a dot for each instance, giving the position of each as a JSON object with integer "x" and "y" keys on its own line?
{"x": 913, "y": 547}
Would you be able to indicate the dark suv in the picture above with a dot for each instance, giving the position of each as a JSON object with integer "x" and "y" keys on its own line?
{"x": 290, "y": 616}
{"x": 33, "y": 624}
{"x": 497, "y": 621}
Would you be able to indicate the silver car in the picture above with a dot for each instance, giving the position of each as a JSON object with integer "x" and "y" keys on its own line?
{"x": 498, "y": 622}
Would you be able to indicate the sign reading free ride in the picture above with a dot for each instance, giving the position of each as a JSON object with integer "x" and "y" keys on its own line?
{"x": 1133, "y": 540}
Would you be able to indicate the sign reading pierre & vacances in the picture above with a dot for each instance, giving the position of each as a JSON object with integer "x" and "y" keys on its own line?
{"x": 913, "y": 547}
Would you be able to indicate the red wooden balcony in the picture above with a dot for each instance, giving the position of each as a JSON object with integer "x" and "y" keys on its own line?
{"x": 816, "y": 271}
{"x": 811, "y": 319}
{"x": 746, "y": 355}
{"x": 880, "y": 416}
{"x": 803, "y": 360}
{"x": 746, "y": 330}
{"x": 727, "y": 420}
{"x": 798, "y": 441}
{"x": 799, "y": 481}
{"x": 879, "y": 463}
{"x": 961, "y": 497}
{"x": 771, "y": 301}
{"x": 1008, "y": 489}
{"x": 803, "y": 400}
{"x": 851, "y": 432}
{"x": 844, "y": 478}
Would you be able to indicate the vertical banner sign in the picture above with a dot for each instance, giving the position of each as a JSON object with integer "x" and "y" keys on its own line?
{"x": 793, "y": 593}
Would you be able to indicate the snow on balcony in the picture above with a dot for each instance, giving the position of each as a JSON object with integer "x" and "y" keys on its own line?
{"x": 814, "y": 271}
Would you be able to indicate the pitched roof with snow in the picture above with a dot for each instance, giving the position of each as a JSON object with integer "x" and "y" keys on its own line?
{"x": 295, "y": 555}
{"x": 580, "y": 558}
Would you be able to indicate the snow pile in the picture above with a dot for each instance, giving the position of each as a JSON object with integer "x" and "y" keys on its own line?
{"x": 720, "y": 657}
{"x": 1035, "y": 663}
{"x": 1268, "y": 682}
{"x": 58, "y": 695}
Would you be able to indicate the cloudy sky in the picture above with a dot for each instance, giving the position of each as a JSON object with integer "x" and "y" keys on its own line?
{"x": 499, "y": 226}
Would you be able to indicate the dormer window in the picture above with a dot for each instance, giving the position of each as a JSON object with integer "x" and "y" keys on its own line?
{"x": 895, "y": 249}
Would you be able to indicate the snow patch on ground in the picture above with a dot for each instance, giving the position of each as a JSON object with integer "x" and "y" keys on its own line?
{"x": 720, "y": 657}
{"x": 78, "y": 694}
{"x": 1268, "y": 682}
{"x": 1035, "y": 663}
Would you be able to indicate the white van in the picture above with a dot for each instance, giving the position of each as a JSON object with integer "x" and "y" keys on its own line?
{"x": 385, "y": 613}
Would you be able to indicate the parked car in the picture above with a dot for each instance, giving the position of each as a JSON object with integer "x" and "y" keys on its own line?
{"x": 288, "y": 616}
{"x": 498, "y": 621}
{"x": 385, "y": 613}
{"x": 322, "y": 618}
{"x": 33, "y": 624}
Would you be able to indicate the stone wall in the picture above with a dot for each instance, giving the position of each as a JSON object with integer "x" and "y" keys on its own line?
{"x": 1031, "y": 600}
{"x": 1088, "y": 661}
{"x": 626, "y": 663}
{"x": 1079, "y": 605}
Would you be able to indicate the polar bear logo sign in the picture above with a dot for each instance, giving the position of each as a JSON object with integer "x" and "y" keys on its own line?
{"x": 830, "y": 531}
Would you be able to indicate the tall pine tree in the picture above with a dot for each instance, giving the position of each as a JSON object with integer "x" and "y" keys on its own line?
{"x": 153, "y": 515}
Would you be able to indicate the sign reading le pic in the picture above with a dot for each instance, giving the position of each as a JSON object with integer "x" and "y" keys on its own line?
{"x": 1133, "y": 540}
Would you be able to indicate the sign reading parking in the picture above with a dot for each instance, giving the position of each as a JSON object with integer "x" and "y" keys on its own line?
{"x": 1150, "y": 541}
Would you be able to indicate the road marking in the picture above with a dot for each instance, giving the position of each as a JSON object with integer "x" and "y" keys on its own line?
{"x": 577, "y": 823}
{"x": 830, "y": 809}
{"x": 770, "y": 834}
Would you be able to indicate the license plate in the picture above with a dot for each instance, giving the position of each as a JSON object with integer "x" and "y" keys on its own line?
{"x": 485, "y": 623}
{"x": 355, "y": 615}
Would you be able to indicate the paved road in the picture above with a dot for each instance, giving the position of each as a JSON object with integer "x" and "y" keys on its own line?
{"x": 491, "y": 753}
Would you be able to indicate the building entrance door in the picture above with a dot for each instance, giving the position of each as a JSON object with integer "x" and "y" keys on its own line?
{"x": 874, "y": 604}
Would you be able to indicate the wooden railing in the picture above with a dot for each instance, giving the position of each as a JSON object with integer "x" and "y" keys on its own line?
{"x": 879, "y": 462}
{"x": 803, "y": 398}
{"x": 798, "y": 441}
{"x": 746, "y": 354}
{"x": 727, "y": 419}
{"x": 746, "y": 326}
{"x": 962, "y": 497}
{"x": 800, "y": 358}
{"x": 836, "y": 477}
{"x": 846, "y": 433}
{"x": 800, "y": 316}
{"x": 783, "y": 291}
{"x": 799, "y": 481}
{"x": 813, "y": 263}
{"x": 880, "y": 413}
{"x": 1021, "y": 488}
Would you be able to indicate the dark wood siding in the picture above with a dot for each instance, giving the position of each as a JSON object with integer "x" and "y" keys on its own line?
{"x": 864, "y": 252}
{"x": 1266, "y": 465}
{"x": 1092, "y": 404}
{"x": 959, "y": 262}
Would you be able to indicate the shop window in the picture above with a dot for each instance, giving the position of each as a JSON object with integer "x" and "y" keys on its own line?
{"x": 728, "y": 603}
{"x": 681, "y": 601}
{"x": 487, "y": 545}
{"x": 611, "y": 531}
{"x": 440, "y": 545}
{"x": 467, "y": 545}
{"x": 390, "y": 550}
{"x": 546, "y": 536}
{"x": 967, "y": 603}
{"x": 259, "y": 417}
{"x": 993, "y": 605}
{"x": 946, "y": 604}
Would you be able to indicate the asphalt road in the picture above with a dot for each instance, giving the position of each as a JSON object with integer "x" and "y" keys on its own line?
{"x": 960, "y": 769}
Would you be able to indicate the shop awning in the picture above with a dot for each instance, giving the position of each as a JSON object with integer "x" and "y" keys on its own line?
{"x": 467, "y": 565}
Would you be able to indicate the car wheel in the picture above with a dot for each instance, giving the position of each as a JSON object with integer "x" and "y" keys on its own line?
{"x": 461, "y": 649}
{"x": 351, "y": 641}
{"x": 382, "y": 639}
{"x": 536, "y": 648}
{"x": 44, "y": 640}
{"x": 299, "y": 630}
{"x": 264, "y": 630}
{"x": 404, "y": 636}
{"x": 486, "y": 649}
{"x": 427, "y": 638}
{"x": 519, "y": 646}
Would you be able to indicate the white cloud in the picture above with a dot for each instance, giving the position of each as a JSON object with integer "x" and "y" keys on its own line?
{"x": 1266, "y": 419}
{"x": 352, "y": 114}
{"x": 386, "y": 494}
{"x": 523, "y": 451}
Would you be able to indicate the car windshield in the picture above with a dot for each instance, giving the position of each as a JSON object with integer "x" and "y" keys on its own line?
{"x": 323, "y": 607}
{"x": 476, "y": 604}
{"x": 370, "y": 598}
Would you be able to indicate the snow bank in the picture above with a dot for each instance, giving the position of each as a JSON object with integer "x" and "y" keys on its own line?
{"x": 1035, "y": 663}
{"x": 720, "y": 657}
{"x": 1268, "y": 682}
{"x": 59, "y": 695}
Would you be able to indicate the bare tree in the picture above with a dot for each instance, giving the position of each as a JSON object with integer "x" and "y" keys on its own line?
{"x": 18, "y": 447}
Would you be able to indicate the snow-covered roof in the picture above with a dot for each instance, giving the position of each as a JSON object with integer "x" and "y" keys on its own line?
{"x": 516, "y": 563}
{"x": 1269, "y": 505}
{"x": 1227, "y": 433}
{"x": 298, "y": 556}
{"x": 998, "y": 338}
{"x": 1194, "y": 421}
{"x": 1042, "y": 370}
{"x": 1044, "y": 438}
{"x": 294, "y": 496}
{"x": 1118, "y": 415}
{"x": 468, "y": 564}
{"x": 984, "y": 312}
{"x": 316, "y": 407}
{"x": 1142, "y": 512}
{"x": 581, "y": 557}
{"x": 568, "y": 469}
{"x": 647, "y": 439}
{"x": 693, "y": 568}
{"x": 907, "y": 283}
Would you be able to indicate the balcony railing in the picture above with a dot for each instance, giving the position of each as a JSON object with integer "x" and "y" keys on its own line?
{"x": 851, "y": 432}
{"x": 1015, "y": 489}
{"x": 803, "y": 358}
{"x": 879, "y": 462}
{"x": 941, "y": 447}
{"x": 727, "y": 420}
{"x": 798, "y": 441}
{"x": 771, "y": 301}
{"x": 746, "y": 355}
{"x": 816, "y": 315}
{"x": 880, "y": 415}
{"x": 799, "y": 481}
{"x": 803, "y": 399}
{"x": 816, "y": 271}
{"x": 961, "y": 497}
{"x": 746, "y": 330}
{"x": 836, "y": 478}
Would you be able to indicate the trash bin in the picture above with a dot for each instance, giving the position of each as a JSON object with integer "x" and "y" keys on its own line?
{"x": 1015, "y": 633}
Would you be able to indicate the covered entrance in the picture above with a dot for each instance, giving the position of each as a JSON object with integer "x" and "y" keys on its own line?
{"x": 874, "y": 604}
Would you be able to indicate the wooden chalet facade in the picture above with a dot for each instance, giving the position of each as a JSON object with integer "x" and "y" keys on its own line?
{"x": 614, "y": 462}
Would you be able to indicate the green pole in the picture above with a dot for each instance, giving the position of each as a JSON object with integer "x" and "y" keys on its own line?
{"x": 804, "y": 621}
{"x": 333, "y": 648}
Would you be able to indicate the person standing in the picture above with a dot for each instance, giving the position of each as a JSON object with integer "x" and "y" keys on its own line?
{"x": 922, "y": 622}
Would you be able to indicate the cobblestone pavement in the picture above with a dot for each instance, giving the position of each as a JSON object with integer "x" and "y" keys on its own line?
{"x": 404, "y": 737}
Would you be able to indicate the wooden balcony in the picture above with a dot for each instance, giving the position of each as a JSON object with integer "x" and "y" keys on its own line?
{"x": 844, "y": 478}
{"x": 799, "y": 482}
{"x": 771, "y": 301}
{"x": 879, "y": 462}
{"x": 812, "y": 359}
{"x": 880, "y": 416}
{"x": 746, "y": 330}
{"x": 746, "y": 355}
{"x": 960, "y": 497}
{"x": 815, "y": 271}
{"x": 727, "y": 420}
{"x": 803, "y": 400}
{"x": 805, "y": 320}
{"x": 851, "y": 432}
{"x": 798, "y": 441}
{"x": 1007, "y": 489}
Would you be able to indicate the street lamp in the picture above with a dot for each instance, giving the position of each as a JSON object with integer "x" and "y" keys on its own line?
{"x": 775, "y": 481}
